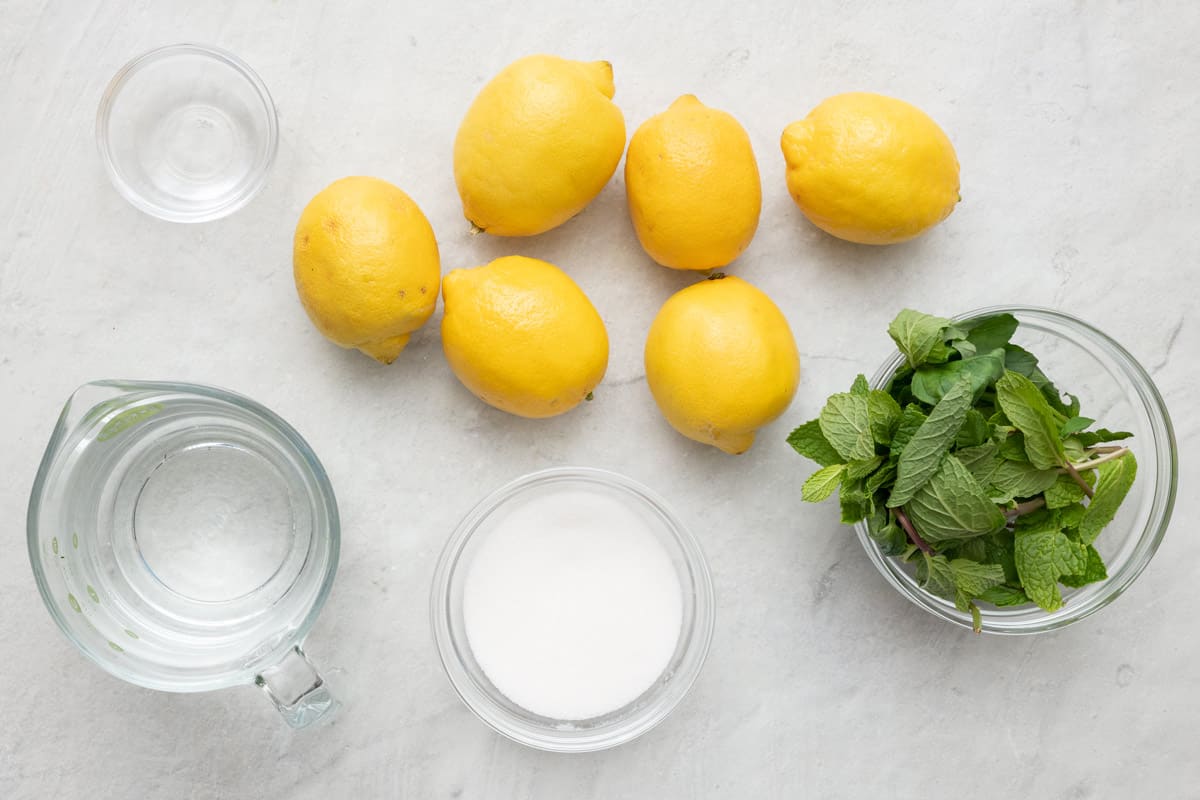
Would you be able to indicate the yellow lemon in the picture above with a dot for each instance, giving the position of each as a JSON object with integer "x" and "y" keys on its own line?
{"x": 366, "y": 265}
{"x": 870, "y": 169}
{"x": 693, "y": 186}
{"x": 721, "y": 362}
{"x": 522, "y": 336}
{"x": 537, "y": 144}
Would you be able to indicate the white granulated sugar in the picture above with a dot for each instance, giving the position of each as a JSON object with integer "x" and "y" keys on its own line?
{"x": 572, "y": 605}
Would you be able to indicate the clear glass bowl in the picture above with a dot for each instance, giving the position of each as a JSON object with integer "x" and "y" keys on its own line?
{"x": 1115, "y": 390}
{"x": 611, "y": 729}
{"x": 187, "y": 133}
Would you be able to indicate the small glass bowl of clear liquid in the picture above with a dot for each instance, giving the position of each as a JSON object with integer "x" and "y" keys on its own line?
{"x": 187, "y": 133}
{"x": 185, "y": 539}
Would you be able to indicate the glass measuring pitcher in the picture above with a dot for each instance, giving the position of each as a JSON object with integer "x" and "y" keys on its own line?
{"x": 185, "y": 538}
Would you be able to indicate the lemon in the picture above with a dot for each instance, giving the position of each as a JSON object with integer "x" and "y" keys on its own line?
{"x": 537, "y": 144}
{"x": 366, "y": 265}
{"x": 522, "y": 336}
{"x": 870, "y": 169}
{"x": 693, "y": 187}
{"x": 721, "y": 362}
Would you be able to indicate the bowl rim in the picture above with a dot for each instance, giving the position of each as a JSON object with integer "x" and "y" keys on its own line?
{"x": 495, "y": 716}
{"x": 159, "y": 54}
{"x": 1163, "y": 499}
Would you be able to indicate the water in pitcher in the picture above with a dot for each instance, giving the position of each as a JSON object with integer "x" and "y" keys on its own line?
{"x": 188, "y": 534}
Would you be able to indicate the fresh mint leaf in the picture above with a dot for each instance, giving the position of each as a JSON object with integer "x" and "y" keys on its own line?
{"x": 1093, "y": 571}
{"x": 1071, "y": 409}
{"x": 811, "y": 443}
{"x": 922, "y": 456}
{"x": 990, "y": 333}
{"x": 1070, "y": 516}
{"x": 1075, "y": 425}
{"x": 1020, "y": 360}
{"x": 1000, "y": 551}
{"x": 959, "y": 580}
{"x": 1013, "y": 479}
{"x": 1024, "y": 404}
{"x": 884, "y": 414}
{"x": 940, "y": 353}
{"x": 1004, "y": 596}
{"x": 972, "y": 579}
{"x": 1042, "y": 557}
{"x": 974, "y": 431}
{"x": 822, "y": 483}
{"x": 1112, "y": 484}
{"x": 1023, "y": 362}
{"x": 1065, "y": 491}
{"x": 951, "y": 505}
{"x": 877, "y": 519}
{"x": 846, "y": 424}
{"x": 978, "y": 460}
{"x": 964, "y": 348}
{"x": 1077, "y": 558}
{"x": 860, "y": 385}
{"x": 935, "y": 576}
{"x": 1038, "y": 520}
{"x": 880, "y": 479}
{"x": 930, "y": 383}
{"x": 1093, "y": 438}
{"x": 1012, "y": 448}
{"x": 855, "y": 503}
{"x": 972, "y": 549}
{"x": 861, "y": 469}
{"x": 915, "y": 334}
{"x": 1073, "y": 449}
{"x": 911, "y": 420}
{"x": 890, "y": 537}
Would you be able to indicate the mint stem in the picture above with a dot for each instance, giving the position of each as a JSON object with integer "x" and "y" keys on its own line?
{"x": 1110, "y": 454}
{"x": 913, "y": 537}
{"x": 1026, "y": 507}
{"x": 1075, "y": 476}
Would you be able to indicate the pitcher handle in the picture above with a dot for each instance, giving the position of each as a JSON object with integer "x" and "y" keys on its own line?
{"x": 297, "y": 689}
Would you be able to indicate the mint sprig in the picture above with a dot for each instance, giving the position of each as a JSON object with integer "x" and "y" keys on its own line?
{"x": 1023, "y": 403}
{"x": 846, "y": 424}
{"x": 923, "y": 454}
{"x": 971, "y": 465}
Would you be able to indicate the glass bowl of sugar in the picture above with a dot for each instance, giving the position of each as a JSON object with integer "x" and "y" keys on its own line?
{"x": 572, "y": 610}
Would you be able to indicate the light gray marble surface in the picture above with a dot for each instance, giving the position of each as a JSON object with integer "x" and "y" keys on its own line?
{"x": 1076, "y": 126}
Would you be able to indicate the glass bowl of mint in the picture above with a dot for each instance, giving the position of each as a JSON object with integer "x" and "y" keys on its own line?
{"x": 1011, "y": 470}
